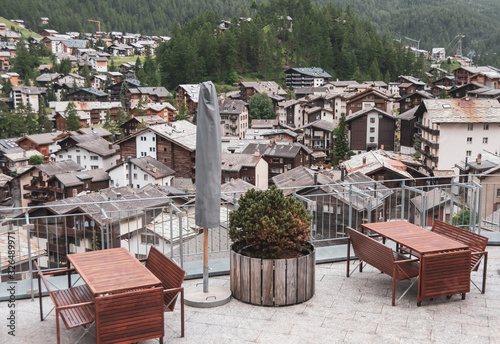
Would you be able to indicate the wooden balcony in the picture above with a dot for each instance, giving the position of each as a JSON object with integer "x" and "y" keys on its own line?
{"x": 431, "y": 144}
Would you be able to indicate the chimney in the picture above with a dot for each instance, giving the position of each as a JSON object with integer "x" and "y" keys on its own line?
{"x": 256, "y": 152}
{"x": 478, "y": 159}
{"x": 364, "y": 161}
{"x": 129, "y": 172}
{"x": 271, "y": 143}
{"x": 110, "y": 146}
{"x": 315, "y": 178}
{"x": 382, "y": 147}
{"x": 399, "y": 156}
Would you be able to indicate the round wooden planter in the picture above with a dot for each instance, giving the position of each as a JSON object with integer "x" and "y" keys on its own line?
{"x": 272, "y": 282}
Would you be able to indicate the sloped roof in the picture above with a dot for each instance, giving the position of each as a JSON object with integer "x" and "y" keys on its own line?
{"x": 299, "y": 178}
{"x": 182, "y": 132}
{"x": 269, "y": 87}
{"x": 320, "y": 124}
{"x": 235, "y": 162}
{"x": 368, "y": 110}
{"x": 462, "y": 110}
{"x": 193, "y": 91}
{"x": 56, "y": 167}
{"x": 314, "y": 72}
{"x": 72, "y": 179}
{"x": 157, "y": 91}
{"x": 374, "y": 162}
{"x": 230, "y": 106}
{"x": 235, "y": 188}
{"x": 434, "y": 198}
{"x": 278, "y": 150}
{"x": 42, "y": 139}
{"x": 152, "y": 167}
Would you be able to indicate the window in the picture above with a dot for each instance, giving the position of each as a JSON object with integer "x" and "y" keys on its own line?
{"x": 165, "y": 160}
{"x": 470, "y": 127}
{"x": 126, "y": 176}
{"x": 485, "y": 140}
{"x": 486, "y": 126}
{"x": 69, "y": 156}
{"x": 143, "y": 138}
{"x": 165, "y": 149}
{"x": 372, "y": 139}
{"x": 135, "y": 176}
{"x": 498, "y": 192}
{"x": 94, "y": 157}
{"x": 469, "y": 140}
{"x": 372, "y": 120}
{"x": 153, "y": 138}
{"x": 60, "y": 156}
{"x": 152, "y": 149}
{"x": 149, "y": 239}
{"x": 94, "y": 167}
{"x": 145, "y": 177}
{"x": 372, "y": 130}
{"x": 468, "y": 153}
{"x": 143, "y": 153}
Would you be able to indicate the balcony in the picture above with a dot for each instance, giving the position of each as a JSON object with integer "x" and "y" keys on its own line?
{"x": 427, "y": 129}
{"x": 233, "y": 126}
{"x": 431, "y": 144}
{"x": 428, "y": 155}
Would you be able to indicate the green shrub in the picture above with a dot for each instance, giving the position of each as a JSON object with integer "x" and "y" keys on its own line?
{"x": 269, "y": 225}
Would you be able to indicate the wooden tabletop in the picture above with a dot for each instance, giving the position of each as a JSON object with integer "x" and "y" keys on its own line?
{"x": 111, "y": 271}
{"x": 418, "y": 239}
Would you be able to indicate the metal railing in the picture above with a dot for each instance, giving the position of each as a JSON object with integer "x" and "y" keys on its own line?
{"x": 48, "y": 234}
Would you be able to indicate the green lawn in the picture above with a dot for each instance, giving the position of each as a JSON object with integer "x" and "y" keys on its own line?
{"x": 450, "y": 67}
{"x": 24, "y": 32}
{"x": 120, "y": 60}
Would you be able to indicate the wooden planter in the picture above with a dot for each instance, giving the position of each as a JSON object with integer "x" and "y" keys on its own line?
{"x": 272, "y": 282}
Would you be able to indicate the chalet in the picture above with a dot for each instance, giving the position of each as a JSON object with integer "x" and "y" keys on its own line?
{"x": 88, "y": 150}
{"x": 44, "y": 143}
{"x": 377, "y": 166}
{"x": 234, "y": 117}
{"x": 87, "y": 95}
{"x": 4, "y": 60}
{"x": 264, "y": 124}
{"x": 47, "y": 79}
{"x": 150, "y": 94}
{"x": 120, "y": 90}
{"x": 251, "y": 168}
{"x": 165, "y": 111}
{"x": 136, "y": 123}
{"x": 318, "y": 137}
{"x": 273, "y": 90}
{"x": 6, "y": 189}
{"x": 378, "y": 98}
{"x": 138, "y": 172}
{"x": 99, "y": 82}
{"x": 173, "y": 144}
{"x": 408, "y": 84}
{"x": 27, "y": 95}
{"x": 48, "y": 32}
{"x": 89, "y": 113}
{"x": 35, "y": 188}
{"x": 115, "y": 76}
{"x": 12, "y": 76}
{"x": 281, "y": 157}
{"x": 121, "y": 50}
{"x": 432, "y": 205}
{"x": 485, "y": 93}
{"x": 454, "y": 128}
{"x": 316, "y": 113}
{"x": 408, "y": 130}
{"x": 73, "y": 183}
{"x": 15, "y": 161}
{"x": 413, "y": 100}
{"x": 128, "y": 69}
{"x": 289, "y": 113}
{"x": 485, "y": 75}
{"x": 462, "y": 90}
{"x": 188, "y": 94}
{"x": 306, "y": 77}
{"x": 371, "y": 128}
{"x": 302, "y": 92}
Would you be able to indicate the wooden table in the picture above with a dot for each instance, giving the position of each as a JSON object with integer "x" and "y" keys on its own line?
{"x": 128, "y": 297}
{"x": 444, "y": 263}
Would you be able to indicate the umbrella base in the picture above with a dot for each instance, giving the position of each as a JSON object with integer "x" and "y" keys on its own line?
{"x": 216, "y": 296}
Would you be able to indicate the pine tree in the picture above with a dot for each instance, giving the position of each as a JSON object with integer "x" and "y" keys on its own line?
{"x": 72, "y": 119}
{"x": 86, "y": 74}
{"x": 182, "y": 114}
{"x": 341, "y": 147}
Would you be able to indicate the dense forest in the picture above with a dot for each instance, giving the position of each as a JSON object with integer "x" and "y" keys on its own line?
{"x": 325, "y": 36}
{"x": 433, "y": 23}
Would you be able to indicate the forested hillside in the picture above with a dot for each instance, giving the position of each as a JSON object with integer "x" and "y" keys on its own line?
{"x": 325, "y": 36}
{"x": 434, "y": 23}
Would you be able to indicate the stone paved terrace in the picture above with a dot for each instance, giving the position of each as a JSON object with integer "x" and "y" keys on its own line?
{"x": 344, "y": 310}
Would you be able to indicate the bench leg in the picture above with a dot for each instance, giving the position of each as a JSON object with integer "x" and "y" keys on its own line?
{"x": 393, "y": 291}
{"x": 463, "y": 296}
{"x": 57, "y": 327}
{"x": 484, "y": 272}
{"x": 348, "y": 256}
{"x": 40, "y": 297}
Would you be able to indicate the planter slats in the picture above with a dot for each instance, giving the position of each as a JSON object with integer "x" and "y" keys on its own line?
{"x": 291, "y": 281}
{"x": 301, "y": 279}
{"x": 311, "y": 266}
{"x": 256, "y": 281}
{"x": 245, "y": 279}
{"x": 280, "y": 282}
{"x": 272, "y": 282}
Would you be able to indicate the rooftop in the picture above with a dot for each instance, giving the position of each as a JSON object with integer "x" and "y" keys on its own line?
{"x": 343, "y": 310}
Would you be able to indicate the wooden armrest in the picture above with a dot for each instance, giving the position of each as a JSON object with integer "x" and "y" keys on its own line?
{"x": 406, "y": 261}
{"x": 142, "y": 260}
{"x": 56, "y": 272}
{"x": 173, "y": 289}
{"x": 83, "y": 304}
{"x": 478, "y": 253}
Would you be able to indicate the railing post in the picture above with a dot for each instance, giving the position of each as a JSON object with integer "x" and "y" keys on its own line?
{"x": 452, "y": 201}
{"x": 30, "y": 263}
{"x": 479, "y": 203}
{"x": 350, "y": 207}
{"x": 403, "y": 186}
{"x": 181, "y": 243}
{"x": 473, "y": 211}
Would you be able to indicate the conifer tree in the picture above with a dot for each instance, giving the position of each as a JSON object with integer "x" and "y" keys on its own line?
{"x": 72, "y": 120}
{"x": 341, "y": 147}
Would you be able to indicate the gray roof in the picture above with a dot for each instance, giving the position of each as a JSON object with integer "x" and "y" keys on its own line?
{"x": 98, "y": 145}
{"x": 71, "y": 179}
{"x": 235, "y": 187}
{"x": 368, "y": 110}
{"x": 41, "y": 139}
{"x": 299, "y": 178}
{"x": 152, "y": 167}
{"x": 374, "y": 161}
{"x": 92, "y": 91}
{"x": 434, "y": 198}
{"x": 269, "y": 87}
{"x": 232, "y": 107}
{"x": 182, "y": 132}
{"x": 309, "y": 90}
{"x": 47, "y": 77}
{"x": 235, "y": 162}
{"x": 30, "y": 89}
{"x": 424, "y": 94}
{"x": 408, "y": 115}
{"x": 490, "y": 71}
{"x": 320, "y": 124}
{"x": 193, "y": 91}
{"x": 278, "y": 150}
{"x": 53, "y": 168}
{"x": 75, "y": 43}
{"x": 94, "y": 130}
{"x": 264, "y": 123}
{"x": 315, "y": 72}
{"x": 462, "y": 110}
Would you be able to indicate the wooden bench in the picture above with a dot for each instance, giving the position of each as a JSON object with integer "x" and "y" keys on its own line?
{"x": 130, "y": 317}
{"x": 477, "y": 244}
{"x": 382, "y": 257}
{"x": 75, "y": 305}
{"x": 171, "y": 276}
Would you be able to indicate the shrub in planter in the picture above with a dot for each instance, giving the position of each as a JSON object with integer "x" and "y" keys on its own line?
{"x": 269, "y": 225}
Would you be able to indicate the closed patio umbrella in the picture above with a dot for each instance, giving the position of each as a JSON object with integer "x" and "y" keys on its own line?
{"x": 208, "y": 188}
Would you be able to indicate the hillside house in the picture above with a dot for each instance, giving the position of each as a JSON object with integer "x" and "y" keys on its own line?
{"x": 234, "y": 117}
{"x": 378, "y": 98}
{"x": 251, "y": 168}
{"x": 27, "y": 95}
{"x": 188, "y": 94}
{"x": 139, "y": 172}
{"x": 306, "y": 77}
{"x": 87, "y": 94}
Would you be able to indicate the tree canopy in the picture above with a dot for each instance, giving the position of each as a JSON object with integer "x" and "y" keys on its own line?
{"x": 261, "y": 107}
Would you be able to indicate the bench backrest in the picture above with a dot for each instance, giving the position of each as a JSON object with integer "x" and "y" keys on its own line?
{"x": 130, "y": 316}
{"x": 168, "y": 272}
{"x": 372, "y": 252}
{"x": 476, "y": 242}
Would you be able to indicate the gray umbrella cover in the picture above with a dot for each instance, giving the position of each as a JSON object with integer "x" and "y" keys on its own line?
{"x": 208, "y": 158}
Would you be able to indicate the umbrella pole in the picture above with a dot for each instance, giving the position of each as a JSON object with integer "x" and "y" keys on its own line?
{"x": 205, "y": 260}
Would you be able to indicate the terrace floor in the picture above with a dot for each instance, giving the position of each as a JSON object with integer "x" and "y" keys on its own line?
{"x": 343, "y": 310}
